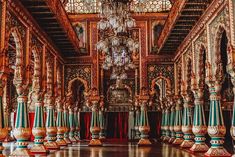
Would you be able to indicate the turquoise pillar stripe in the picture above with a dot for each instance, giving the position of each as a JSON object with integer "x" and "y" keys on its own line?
{"x": 76, "y": 119}
{"x": 178, "y": 118}
{"x": 233, "y": 117}
{"x": 144, "y": 118}
{"x": 50, "y": 122}
{"x": 94, "y": 119}
{"x": 71, "y": 120}
{"x": 172, "y": 118}
{"x": 199, "y": 115}
{"x": 101, "y": 119}
{"x": 60, "y": 119}
{"x": 216, "y": 116}
{"x": 66, "y": 119}
{"x": 2, "y": 123}
{"x": 38, "y": 120}
{"x": 22, "y": 116}
{"x": 187, "y": 119}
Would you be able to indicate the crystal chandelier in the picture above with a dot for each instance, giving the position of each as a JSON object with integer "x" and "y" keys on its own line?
{"x": 115, "y": 37}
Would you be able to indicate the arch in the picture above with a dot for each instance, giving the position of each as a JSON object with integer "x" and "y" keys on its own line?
{"x": 84, "y": 82}
{"x": 155, "y": 81}
{"x": 19, "y": 50}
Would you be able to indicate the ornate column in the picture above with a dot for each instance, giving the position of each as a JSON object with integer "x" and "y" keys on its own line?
{"x": 172, "y": 120}
{"x": 216, "y": 128}
{"x": 163, "y": 133}
{"x": 102, "y": 124}
{"x": 60, "y": 123}
{"x": 93, "y": 102}
{"x": 3, "y": 129}
{"x": 71, "y": 123}
{"x": 187, "y": 121}
{"x": 167, "y": 124}
{"x": 144, "y": 124}
{"x": 77, "y": 124}
{"x": 66, "y": 123}
{"x": 178, "y": 122}
{"x": 22, "y": 131}
{"x": 199, "y": 122}
{"x": 231, "y": 71}
{"x": 50, "y": 118}
{"x": 137, "y": 121}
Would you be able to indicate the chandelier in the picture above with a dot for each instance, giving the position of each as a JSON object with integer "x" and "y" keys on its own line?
{"x": 115, "y": 37}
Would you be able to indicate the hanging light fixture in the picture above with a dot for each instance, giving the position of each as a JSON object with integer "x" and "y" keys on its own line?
{"x": 116, "y": 42}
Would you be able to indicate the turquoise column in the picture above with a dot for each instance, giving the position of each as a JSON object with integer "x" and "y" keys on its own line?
{"x": 66, "y": 123}
{"x": 199, "y": 123}
{"x": 144, "y": 123}
{"x": 102, "y": 124}
{"x": 71, "y": 125}
{"x": 163, "y": 125}
{"x": 95, "y": 128}
{"x": 77, "y": 125}
{"x": 178, "y": 123}
{"x": 172, "y": 120}
{"x": 51, "y": 127}
{"x": 187, "y": 122}
{"x": 39, "y": 130}
{"x": 216, "y": 128}
{"x": 22, "y": 131}
{"x": 137, "y": 121}
{"x": 232, "y": 129}
{"x": 3, "y": 129}
{"x": 60, "y": 123}
{"x": 167, "y": 125}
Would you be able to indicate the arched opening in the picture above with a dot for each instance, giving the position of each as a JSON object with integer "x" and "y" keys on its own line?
{"x": 227, "y": 94}
{"x": 78, "y": 89}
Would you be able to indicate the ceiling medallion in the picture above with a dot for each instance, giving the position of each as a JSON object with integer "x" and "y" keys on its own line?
{"x": 116, "y": 40}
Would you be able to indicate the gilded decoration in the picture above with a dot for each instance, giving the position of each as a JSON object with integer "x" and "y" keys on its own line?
{"x": 163, "y": 70}
{"x": 216, "y": 28}
{"x": 77, "y": 71}
{"x": 13, "y": 23}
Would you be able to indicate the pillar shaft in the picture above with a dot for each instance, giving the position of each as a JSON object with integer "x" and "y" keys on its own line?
{"x": 77, "y": 125}
{"x": 178, "y": 124}
{"x": 102, "y": 124}
{"x": 172, "y": 119}
{"x": 51, "y": 129}
{"x": 3, "y": 129}
{"x": 95, "y": 128}
{"x": 22, "y": 131}
{"x": 71, "y": 125}
{"x": 66, "y": 122}
{"x": 163, "y": 133}
{"x": 216, "y": 128}
{"x": 39, "y": 130}
{"x": 187, "y": 122}
{"x": 137, "y": 120}
{"x": 60, "y": 127}
{"x": 144, "y": 125}
{"x": 199, "y": 124}
{"x": 167, "y": 126}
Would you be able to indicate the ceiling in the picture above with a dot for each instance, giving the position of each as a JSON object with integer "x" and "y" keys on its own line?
{"x": 183, "y": 16}
{"x": 52, "y": 18}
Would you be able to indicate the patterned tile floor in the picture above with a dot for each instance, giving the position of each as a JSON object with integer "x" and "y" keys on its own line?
{"x": 116, "y": 149}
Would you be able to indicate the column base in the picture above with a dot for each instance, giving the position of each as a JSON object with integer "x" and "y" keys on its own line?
{"x": 39, "y": 149}
{"x": 95, "y": 142}
{"x": 21, "y": 152}
{"x": 61, "y": 142}
{"x": 171, "y": 140}
{"x": 187, "y": 144}
{"x": 72, "y": 139}
{"x": 202, "y": 147}
{"x": 52, "y": 145}
{"x": 178, "y": 141}
{"x": 67, "y": 140}
{"x": 217, "y": 152}
{"x": 166, "y": 139}
{"x": 144, "y": 142}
